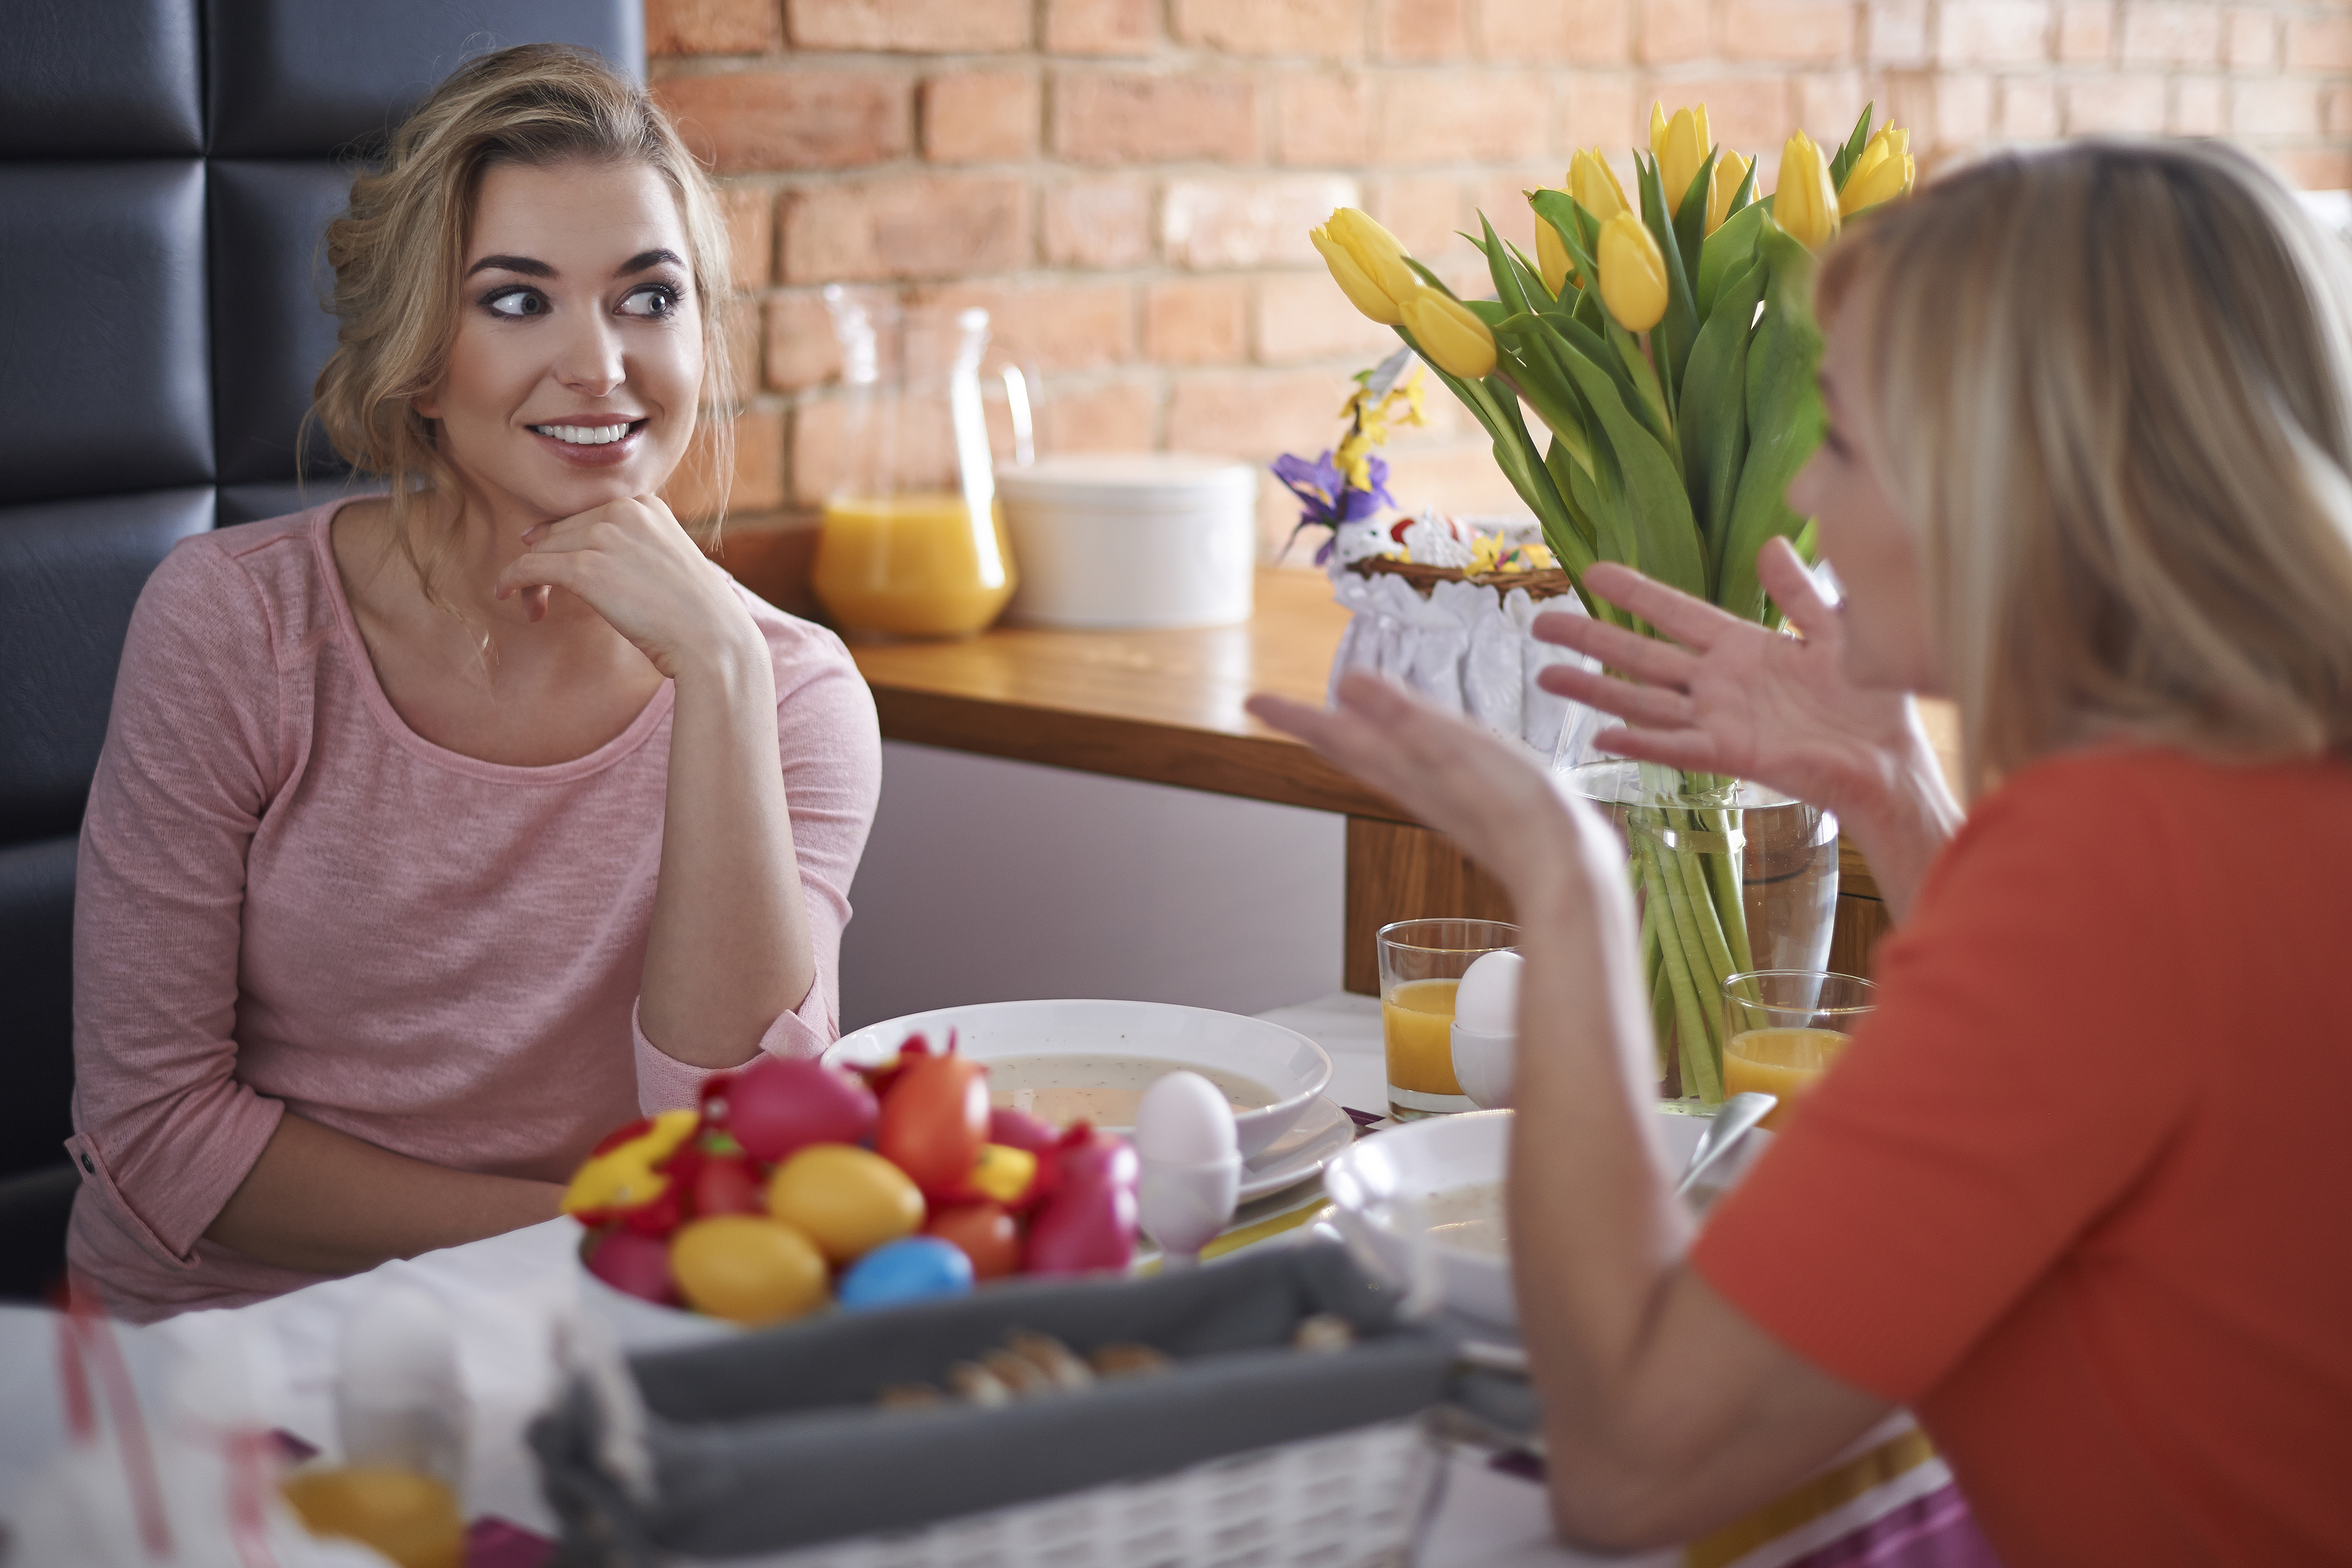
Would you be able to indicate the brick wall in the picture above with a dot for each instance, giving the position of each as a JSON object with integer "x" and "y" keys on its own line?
{"x": 1127, "y": 185}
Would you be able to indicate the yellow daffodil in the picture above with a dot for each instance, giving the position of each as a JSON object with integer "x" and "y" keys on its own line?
{"x": 1551, "y": 257}
{"x": 1594, "y": 186}
{"x": 1451, "y": 337}
{"x": 1804, "y": 203}
{"x": 1367, "y": 263}
{"x": 1632, "y": 273}
{"x": 1883, "y": 172}
{"x": 1680, "y": 145}
{"x": 1729, "y": 171}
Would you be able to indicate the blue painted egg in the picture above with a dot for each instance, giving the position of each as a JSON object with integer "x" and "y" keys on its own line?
{"x": 915, "y": 1269}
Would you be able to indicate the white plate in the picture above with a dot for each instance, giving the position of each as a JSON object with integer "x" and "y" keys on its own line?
{"x": 1300, "y": 1153}
{"x": 1285, "y": 1061}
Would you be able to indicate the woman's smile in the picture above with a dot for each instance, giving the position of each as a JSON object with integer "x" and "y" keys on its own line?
{"x": 592, "y": 441}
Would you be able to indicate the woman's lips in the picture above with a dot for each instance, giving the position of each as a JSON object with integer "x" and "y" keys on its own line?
{"x": 592, "y": 455}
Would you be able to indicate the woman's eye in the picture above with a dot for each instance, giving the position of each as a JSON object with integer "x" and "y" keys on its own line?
{"x": 653, "y": 299}
{"x": 517, "y": 304}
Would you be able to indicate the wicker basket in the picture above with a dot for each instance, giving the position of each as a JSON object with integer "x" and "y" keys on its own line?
{"x": 1549, "y": 585}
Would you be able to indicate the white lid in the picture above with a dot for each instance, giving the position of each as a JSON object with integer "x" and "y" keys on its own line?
{"x": 1130, "y": 481}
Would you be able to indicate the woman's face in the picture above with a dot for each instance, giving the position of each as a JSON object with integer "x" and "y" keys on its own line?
{"x": 1863, "y": 535}
{"x": 578, "y": 358}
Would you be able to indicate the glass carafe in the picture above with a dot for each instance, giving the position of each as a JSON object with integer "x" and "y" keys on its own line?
{"x": 913, "y": 544}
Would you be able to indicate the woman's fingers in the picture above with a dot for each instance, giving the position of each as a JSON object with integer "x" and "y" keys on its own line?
{"x": 1693, "y": 750}
{"x": 1652, "y": 705}
{"x": 1785, "y": 576}
{"x": 1694, "y": 623}
{"x": 1653, "y": 659}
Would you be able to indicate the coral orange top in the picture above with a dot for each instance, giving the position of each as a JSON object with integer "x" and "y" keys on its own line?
{"x": 2070, "y": 1193}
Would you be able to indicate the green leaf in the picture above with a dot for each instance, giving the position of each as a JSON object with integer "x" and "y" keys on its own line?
{"x": 1679, "y": 329}
{"x": 1727, "y": 251}
{"x": 1842, "y": 164}
{"x": 1539, "y": 293}
{"x": 1509, "y": 289}
{"x": 1746, "y": 193}
{"x": 1532, "y": 349}
{"x": 1651, "y": 397}
{"x": 1570, "y": 222}
{"x": 1690, "y": 218}
{"x": 1654, "y": 531}
{"x": 1434, "y": 280}
{"x": 1712, "y": 423}
{"x": 1784, "y": 420}
{"x": 1593, "y": 345}
{"x": 1564, "y": 470}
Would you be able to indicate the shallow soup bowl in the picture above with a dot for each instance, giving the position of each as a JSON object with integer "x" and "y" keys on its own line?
{"x": 1080, "y": 1044}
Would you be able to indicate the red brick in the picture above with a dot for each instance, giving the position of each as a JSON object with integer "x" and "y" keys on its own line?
{"x": 2116, "y": 104}
{"x": 1272, "y": 27}
{"x": 1458, "y": 477}
{"x": 1603, "y": 110}
{"x": 2197, "y": 107}
{"x": 1099, "y": 222}
{"x": 1242, "y": 221}
{"x": 1561, "y": 32}
{"x": 813, "y": 455}
{"x": 2339, "y": 110}
{"x": 713, "y": 27}
{"x": 1098, "y": 417}
{"x": 1102, "y": 26}
{"x": 758, "y": 474}
{"x": 1255, "y": 414}
{"x": 1964, "y": 111}
{"x": 2251, "y": 38}
{"x": 980, "y": 116}
{"x": 1672, "y": 31}
{"x": 2171, "y": 35}
{"x": 1792, "y": 32}
{"x": 1456, "y": 118}
{"x": 802, "y": 351}
{"x": 1502, "y": 196}
{"x": 1056, "y": 326}
{"x": 1744, "y": 112}
{"x": 2319, "y": 43}
{"x": 1424, "y": 30}
{"x": 2086, "y": 31}
{"x": 917, "y": 225}
{"x": 1106, "y": 117}
{"x": 1202, "y": 321}
{"x": 2284, "y": 106}
{"x": 1422, "y": 210}
{"x": 1994, "y": 32}
{"x": 920, "y": 26}
{"x": 750, "y": 214}
{"x": 2316, "y": 169}
{"x": 742, "y": 120}
{"x": 2029, "y": 110}
{"x": 1322, "y": 117}
{"x": 1827, "y": 105}
{"x": 1894, "y": 33}
{"x": 740, "y": 318}
{"x": 1303, "y": 316}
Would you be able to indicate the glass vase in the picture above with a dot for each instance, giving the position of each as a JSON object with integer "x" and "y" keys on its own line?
{"x": 1729, "y": 877}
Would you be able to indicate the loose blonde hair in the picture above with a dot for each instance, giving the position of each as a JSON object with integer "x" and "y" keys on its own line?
{"x": 2113, "y": 388}
{"x": 399, "y": 254}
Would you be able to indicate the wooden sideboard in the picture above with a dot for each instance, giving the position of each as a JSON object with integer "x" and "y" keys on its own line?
{"x": 1166, "y": 707}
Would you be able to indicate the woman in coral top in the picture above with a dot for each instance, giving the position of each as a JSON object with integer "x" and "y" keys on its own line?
{"x": 437, "y": 834}
{"x": 2088, "y": 473}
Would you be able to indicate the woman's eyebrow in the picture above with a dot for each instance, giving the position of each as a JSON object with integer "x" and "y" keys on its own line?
{"x": 644, "y": 258}
{"x": 525, "y": 264}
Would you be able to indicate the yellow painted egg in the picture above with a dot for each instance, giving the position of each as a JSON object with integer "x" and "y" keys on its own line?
{"x": 411, "y": 1518}
{"x": 849, "y": 1200}
{"x": 747, "y": 1269}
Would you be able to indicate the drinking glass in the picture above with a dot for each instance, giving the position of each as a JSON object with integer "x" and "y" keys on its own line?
{"x": 1782, "y": 1027}
{"x": 1422, "y": 965}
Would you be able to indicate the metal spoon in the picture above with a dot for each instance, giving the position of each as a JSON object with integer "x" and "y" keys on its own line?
{"x": 1738, "y": 1118}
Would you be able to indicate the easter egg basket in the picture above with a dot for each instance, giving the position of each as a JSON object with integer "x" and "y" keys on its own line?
{"x": 1285, "y": 1415}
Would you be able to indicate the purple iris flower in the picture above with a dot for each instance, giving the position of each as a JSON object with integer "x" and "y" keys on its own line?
{"x": 1327, "y": 500}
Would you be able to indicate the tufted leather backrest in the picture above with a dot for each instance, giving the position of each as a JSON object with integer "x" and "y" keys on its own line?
{"x": 166, "y": 170}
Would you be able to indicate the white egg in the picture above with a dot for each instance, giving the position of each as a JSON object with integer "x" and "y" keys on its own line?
{"x": 1184, "y": 1120}
{"x": 1488, "y": 1000}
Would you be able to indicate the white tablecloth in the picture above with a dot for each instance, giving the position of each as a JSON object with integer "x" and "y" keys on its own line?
{"x": 504, "y": 1293}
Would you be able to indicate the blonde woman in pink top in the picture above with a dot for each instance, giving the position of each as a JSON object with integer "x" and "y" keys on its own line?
{"x": 438, "y": 834}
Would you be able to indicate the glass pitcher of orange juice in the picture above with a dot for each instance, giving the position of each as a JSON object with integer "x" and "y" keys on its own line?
{"x": 913, "y": 544}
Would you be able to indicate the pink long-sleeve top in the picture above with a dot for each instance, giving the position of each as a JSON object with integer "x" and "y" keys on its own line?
{"x": 287, "y": 900}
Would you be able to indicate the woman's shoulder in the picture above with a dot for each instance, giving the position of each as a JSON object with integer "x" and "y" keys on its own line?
{"x": 230, "y": 585}
{"x": 2144, "y": 784}
{"x": 803, "y": 650}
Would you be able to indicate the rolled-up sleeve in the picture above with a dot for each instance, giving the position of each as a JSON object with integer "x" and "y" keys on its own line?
{"x": 830, "y": 744}
{"x": 163, "y": 1131}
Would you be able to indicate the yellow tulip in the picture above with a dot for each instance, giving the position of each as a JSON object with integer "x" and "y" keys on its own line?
{"x": 1632, "y": 273}
{"x": 1729, "y": 171}
{"x": 1883, "y": 172}
{"x": 1451, "y": 337}
{"x": 1367, "y": 263}
{"x": 1551, "y": 257}
{"x": 1804, "y": 203}
{"x": 1594, "y": 186}
{"x": 1680, "y": 146}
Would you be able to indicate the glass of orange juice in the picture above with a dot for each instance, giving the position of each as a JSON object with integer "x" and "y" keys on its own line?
{"x": 1782, "y": 1027}
{"x": 1422, "y": 964}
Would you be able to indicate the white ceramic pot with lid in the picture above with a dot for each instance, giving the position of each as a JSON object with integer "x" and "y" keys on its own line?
{"x": 1131, "y": 542}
